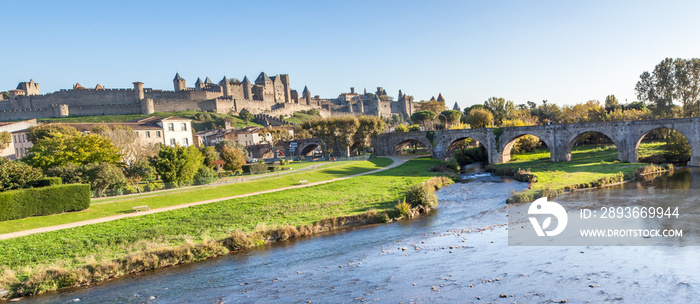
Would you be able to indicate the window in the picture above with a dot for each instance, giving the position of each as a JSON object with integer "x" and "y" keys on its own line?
{"x": 171, "y": 127}
{"x": 16, "y": 151}
{"x": 184, "y": 126}
{"x": 186, "y": 141}
{"x": 172, "y": 142}
{"x": 157, "y": 133}
{"x": 148, "y": 134}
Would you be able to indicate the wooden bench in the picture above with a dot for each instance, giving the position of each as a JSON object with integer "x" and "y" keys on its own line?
{"x": 141, "y": 208}
{"x": 303, "y": 182}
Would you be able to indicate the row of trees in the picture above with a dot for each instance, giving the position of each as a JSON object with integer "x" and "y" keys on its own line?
{"x": 342, "y": 132}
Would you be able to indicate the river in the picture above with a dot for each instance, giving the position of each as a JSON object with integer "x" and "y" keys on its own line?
{"x": 457, "y": 254}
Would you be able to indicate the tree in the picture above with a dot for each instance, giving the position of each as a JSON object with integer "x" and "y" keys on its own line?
{"x": 450, "y": 117}
{"x": 274, "y": 136}
{"x": 58, "y": 149}
{"x": 140, "y": 170}
{"x": 431, "y": 105}
{"x": 400, "y": 128}
{"x": 103, "y": 176}
{"x": 233, "y": 159}
{"x": 677, "y": 148}
{"x": 671, "y": 80}
{"x": 210, "y": 156}
{"x": 15, "y": 175}
{"x": 177, "y": 165}
{"x": 246, "y": 116}
{"x": 611, "y": 103}
{"x": 35, "y": 133}
{"x": 547, "y": 112}
{"x": 126, "y": 140}
{"x": 301, "y": 133}
{"x": 423, "y": 118}
{"x": 479, "y": 118}
{"x": 5, "y": 139}
{"x": 500, "y": 108}
{"x": 369, "y": 127}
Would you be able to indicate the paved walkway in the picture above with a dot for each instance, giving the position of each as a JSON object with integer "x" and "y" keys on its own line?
{"x": 398, "y": 160}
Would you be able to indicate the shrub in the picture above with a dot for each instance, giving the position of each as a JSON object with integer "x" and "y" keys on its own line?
{"x": 103, "y": 177}
{"x": 15, "y": 175}
{"x": 284, "y": 162}
{"x": 403, "y": 209}
{"x": 47, "y": 181}
{"x": 438, "y": 182}
{"x": 256, "y": 168}
{"x": 273, "y": 167}
{"x": 205, "y": 175}
{"x": 421, "y": 195}
{"x": 23, "y": 203}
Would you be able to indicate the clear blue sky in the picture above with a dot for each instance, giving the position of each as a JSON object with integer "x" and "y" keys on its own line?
{"x": 562, "y": 51}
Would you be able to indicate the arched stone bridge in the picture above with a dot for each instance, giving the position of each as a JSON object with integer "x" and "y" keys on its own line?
{"x": 559, "y": 138}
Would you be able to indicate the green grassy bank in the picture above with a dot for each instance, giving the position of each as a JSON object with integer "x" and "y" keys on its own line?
{"x": 114, "y": 206}
{"x": 590, "y": 166}
{"x": 82, "y": 255}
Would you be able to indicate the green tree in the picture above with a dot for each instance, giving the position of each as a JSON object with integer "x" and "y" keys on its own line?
{"x": 677, "y": 148}
{"x": 450, "y": 117}
{"x": 500, "y": 108}
{"x": 177, "y": 165}
{"x": 246, "y": 116}
{"x": 479, "y": 118}
{"x": 431, "y": 105}
{"x": 547, "y": 112}
{"x": 233, "y": 159}
{"x": 35, "y": 133}
{"x": 58, "y": 149}
{"x": 611, "y": 103}
{"x": 671, "y": 80}
{"x": 210, "y": 156}
{"x": 140, "y": 170}
{"x": 423, "y": 118}
{"x": 102, "y": 177}
{"x": 205, "y": 175}
{"x": 369, "y": 127}
{"x": 413, "y": 128}
{"x": 15, "y": 175}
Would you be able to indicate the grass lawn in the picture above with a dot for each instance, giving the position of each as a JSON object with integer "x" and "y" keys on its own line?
{"x": 97, "y": 243}
{"x": 588, "y": 165}
{"x": 103, "y": 208}
{"x": 298, "y": 118}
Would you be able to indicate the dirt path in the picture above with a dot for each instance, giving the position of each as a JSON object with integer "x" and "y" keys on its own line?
{"x": 397, "y": 160}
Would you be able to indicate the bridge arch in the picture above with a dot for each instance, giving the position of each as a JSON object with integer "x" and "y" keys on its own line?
{"x": 397, "y": 141}
{"x": 507, "y": 146}
{"x": 465, "y": 143}
{"x": 692, "y": 142}
{"x": 580, "y": 134}
{"x": 308, "y": 148}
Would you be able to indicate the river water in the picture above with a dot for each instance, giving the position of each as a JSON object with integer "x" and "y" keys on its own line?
{"x": 458, "y": 254}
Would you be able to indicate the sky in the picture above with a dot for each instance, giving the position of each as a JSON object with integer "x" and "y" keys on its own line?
{"x": 563, "y": 51}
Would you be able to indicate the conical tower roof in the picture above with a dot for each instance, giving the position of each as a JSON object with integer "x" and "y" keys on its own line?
{"x": 199, "y": 81}
{"x": 177, "y": 77}
{"x": 262, "y": 78}
{"x": 245, "y": 79}
{"x": 305, "y": 91}
{"x": 208, "y": 81}
{"x": 440, "y": 98}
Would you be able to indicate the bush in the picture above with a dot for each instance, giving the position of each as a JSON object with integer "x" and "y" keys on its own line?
{"x": 273, "y": 167}
{"x": 15, "y": 175}
{"x": 23, "y": 203}
{"x": 205, "y": 175}
{"x": 421, "y": 195}
{"x": 403, "y": 209}
{"x": 47, "y": 181}
{"x": 284, "y": 162}
{"x": 256, "y": 168}
{"x": 103, "y": 177}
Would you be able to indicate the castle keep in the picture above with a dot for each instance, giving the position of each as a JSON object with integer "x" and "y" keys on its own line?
{"x": 267, "y": 95}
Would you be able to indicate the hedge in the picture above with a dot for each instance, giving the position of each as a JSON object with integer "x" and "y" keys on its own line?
{"x": 16, "y": 204}
{"x": 256, "y": 168}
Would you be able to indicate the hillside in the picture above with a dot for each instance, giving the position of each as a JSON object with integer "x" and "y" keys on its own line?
{"x": 201, "y": 121}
